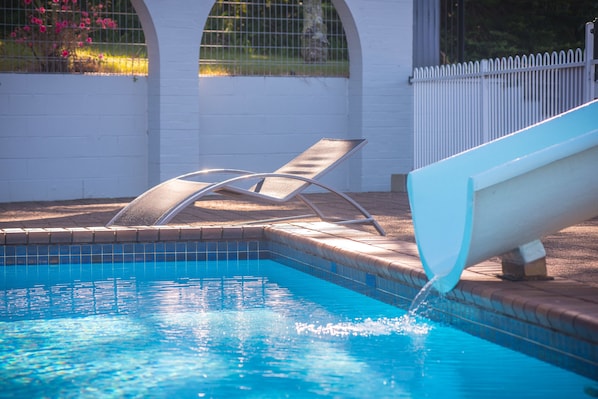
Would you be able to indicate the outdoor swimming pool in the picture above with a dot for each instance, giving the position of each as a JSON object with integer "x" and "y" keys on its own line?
{"x": 239, "y": 328}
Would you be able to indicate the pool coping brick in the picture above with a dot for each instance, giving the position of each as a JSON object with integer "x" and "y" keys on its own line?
{"x": 190, "y": 234}
{"x": 103, "y": 235}
{"x": 38, "y": 236}
{"x": 60, "y": 235}
{"x": 16, "y": 236}
{"x": 168, "y": 233}
{"x": 148, "y": 234}
{"x": 211, "y": 233}
{"x": 125, "y": 234}
{"x": 82, "y": 235}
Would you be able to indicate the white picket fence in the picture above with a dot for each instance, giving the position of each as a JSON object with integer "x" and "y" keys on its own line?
{"x": 461, "y": 106}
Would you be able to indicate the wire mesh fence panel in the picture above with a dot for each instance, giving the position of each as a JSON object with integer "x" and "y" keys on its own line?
{"x": 274, "y": 38}
{"x": 71, "y": 36}
{"x": 252, "y": 37}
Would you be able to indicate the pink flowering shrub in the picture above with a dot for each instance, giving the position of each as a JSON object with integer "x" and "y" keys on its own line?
{"x": 55, "y": 29}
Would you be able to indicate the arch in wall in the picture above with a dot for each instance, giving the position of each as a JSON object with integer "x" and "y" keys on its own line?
{"x": 278, "y": 39}
{"x": 149, "y": 31}
{"x": 355, "y": 67}
{"x": 352, "y": 35}
{"x": 154, "y": 16}
{"x": 171, "y": 30}
{"x": 153, "y": 55}
{"x": 352, "y": 124}
{"x": 343, "y": 10}
{"x": 355, "y": 86}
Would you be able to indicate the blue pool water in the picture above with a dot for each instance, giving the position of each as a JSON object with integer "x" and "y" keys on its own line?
{"x": 239, "y": 329}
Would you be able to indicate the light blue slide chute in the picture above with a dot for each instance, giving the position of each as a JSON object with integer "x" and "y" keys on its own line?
{"x": 505, "y": 194}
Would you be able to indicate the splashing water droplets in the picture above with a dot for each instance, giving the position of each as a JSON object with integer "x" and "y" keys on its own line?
{"x": 366, "y": 327}
{"x": 408, "y": 324}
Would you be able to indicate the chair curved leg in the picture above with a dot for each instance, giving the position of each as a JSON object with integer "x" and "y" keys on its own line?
{"x": 368, "y": 218}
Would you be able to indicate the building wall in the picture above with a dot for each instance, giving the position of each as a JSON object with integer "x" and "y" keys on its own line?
{"x": 259, "y": 124}
{"x": 380, "y": 73}
{"x": 379, "y": 98}
{"x": 115, "y": 136}
{"x": 72, "y": 136}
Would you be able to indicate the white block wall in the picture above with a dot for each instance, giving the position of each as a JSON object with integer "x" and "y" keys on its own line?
{"x": 381, "y": 63}
{"x": 72, "y": 136}
{"x": 79, "y": 136}
{"x": 259, "y": 124}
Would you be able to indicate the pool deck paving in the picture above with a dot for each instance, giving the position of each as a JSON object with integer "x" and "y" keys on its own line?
{"x": 567, "y": 304}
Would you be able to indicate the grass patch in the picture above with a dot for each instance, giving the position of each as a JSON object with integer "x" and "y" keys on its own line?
{"x": 115, "y": 60}
{"x": 225, "y": 63}
{"x": 288, "y": 69}
{"x": 107, "y": 62}
{"x": 15, "y": 57}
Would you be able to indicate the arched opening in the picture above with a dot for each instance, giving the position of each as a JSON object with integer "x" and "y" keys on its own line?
{"x": 233, "y": 122}
{"x": 275, "y": 38}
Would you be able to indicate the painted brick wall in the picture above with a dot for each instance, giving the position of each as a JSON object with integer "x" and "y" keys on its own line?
{"x": 259, "y": 124}
{"x": 379, "y": 98}
{"x": 384, "y": 30}
{"x": 72, "y": 136}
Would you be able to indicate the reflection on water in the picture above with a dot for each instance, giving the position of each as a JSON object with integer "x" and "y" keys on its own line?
{"x": 238, "y": 329}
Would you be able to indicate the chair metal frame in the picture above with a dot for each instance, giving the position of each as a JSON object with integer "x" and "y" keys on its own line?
{"x": 231, "y": 186}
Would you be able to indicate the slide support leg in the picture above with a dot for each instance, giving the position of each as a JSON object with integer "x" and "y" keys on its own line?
{"x": 527, "y": 262}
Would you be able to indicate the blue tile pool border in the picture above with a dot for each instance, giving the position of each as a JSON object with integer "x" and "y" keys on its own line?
{"x": 65, "y": 254}
{"x": 387, "y": 275}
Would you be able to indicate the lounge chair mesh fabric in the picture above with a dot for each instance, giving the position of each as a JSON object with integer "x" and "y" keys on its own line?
{"x": 149, "y": 207}
{"x": 311, "y": 164}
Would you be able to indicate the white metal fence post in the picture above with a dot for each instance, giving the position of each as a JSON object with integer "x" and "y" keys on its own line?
{"x": 590, "y": 71}
{"x": 485, "y": 99}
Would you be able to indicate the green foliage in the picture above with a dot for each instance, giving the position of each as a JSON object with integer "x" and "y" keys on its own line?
{"x": 55, "y": 31}
{"x": 71, "y": 36}
{"x": 498, "y": 28}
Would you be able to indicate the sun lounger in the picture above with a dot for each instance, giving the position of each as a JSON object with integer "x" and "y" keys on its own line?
{"x": 160, "y": 204}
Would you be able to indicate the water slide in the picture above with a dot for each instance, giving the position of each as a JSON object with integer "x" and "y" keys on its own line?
{"x": 506, "y": 194}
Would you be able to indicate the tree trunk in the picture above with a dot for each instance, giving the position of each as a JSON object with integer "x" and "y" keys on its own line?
{"x": 314, "y": 44}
